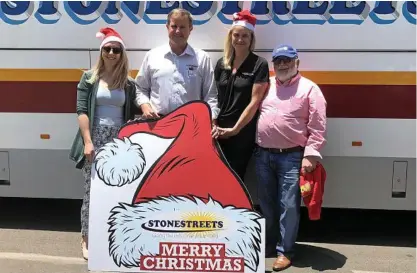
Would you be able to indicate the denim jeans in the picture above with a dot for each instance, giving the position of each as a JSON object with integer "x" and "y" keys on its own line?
{"x": 279, "y": 198}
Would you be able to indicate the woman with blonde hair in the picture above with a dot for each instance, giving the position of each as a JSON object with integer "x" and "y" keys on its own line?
{"x": 242, "y": 77}
{"x": 105, "y": 101}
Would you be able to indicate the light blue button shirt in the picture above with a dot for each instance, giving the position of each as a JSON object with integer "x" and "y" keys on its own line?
{"x": 167, "y": 81}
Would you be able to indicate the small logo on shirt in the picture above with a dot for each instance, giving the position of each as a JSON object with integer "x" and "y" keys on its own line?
{"x": 247, "y": 74}
{"x": 191, "y": 70}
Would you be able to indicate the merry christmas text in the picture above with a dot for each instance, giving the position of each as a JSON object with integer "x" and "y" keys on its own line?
{"x": 196, "y": 257}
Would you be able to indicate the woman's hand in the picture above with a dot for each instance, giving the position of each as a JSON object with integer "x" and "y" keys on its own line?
{"x": 227, "y": 132}
{"x": 215, "y": 131}
{"x": 89, "y": 151}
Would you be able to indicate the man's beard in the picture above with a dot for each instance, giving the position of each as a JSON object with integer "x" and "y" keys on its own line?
{"x": 285, "y": 77}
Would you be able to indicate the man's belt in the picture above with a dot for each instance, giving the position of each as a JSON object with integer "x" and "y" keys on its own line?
{"x": 286, "y": 150}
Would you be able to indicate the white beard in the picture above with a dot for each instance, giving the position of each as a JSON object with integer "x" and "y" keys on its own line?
{"x": 290, "y": 74}
{"x": 127, "y": 241}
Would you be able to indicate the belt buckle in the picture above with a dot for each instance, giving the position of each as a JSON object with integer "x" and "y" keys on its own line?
{"x": 280, "y": 150}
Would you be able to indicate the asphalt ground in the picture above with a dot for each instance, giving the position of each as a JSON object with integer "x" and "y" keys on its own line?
{"x": 43, "y": 236}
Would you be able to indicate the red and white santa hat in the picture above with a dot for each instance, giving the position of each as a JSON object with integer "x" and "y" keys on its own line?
{"x": 169, "y": 189}
{"x": 245, "y": 19}
{"x": 108, "y": 34}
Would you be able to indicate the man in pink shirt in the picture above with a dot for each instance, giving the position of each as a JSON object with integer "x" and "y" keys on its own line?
{"x": 290, "y": 134}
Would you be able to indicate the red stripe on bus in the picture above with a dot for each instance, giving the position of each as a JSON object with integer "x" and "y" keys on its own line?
{"x": 343, "y": 101}
{"x": 370, "y": 101}
{"x": 38, "y": 97}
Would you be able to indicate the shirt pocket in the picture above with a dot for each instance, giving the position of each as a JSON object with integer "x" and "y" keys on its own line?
{"x": 191, "y": 72}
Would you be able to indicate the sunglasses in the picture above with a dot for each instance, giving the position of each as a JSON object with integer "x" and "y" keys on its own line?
{"x": 116, "y": 50}
{"x": 286, "y": 60}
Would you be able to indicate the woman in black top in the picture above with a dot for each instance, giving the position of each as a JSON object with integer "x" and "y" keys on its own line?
{"x": 242, "y": 78}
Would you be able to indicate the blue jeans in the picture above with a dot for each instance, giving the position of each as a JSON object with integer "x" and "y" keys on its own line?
{"x": 279, "y": 198}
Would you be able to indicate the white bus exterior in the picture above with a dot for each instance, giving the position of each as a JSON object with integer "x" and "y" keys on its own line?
{"x": 361, "y": 54}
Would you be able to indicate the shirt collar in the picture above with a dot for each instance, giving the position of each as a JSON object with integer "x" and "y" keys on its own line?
{"x": 291, "y": 82}
{"x": 188, "y": 50}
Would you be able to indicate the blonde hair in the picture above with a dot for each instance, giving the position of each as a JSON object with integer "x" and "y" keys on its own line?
{"x": 229, "y": 50}
{"x": 119, "y": 74}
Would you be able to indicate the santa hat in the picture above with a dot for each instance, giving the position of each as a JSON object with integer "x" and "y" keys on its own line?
{"x": 245, "y": 19}
{"x": 192, "y": 176}
{"x": 108, "y": 34}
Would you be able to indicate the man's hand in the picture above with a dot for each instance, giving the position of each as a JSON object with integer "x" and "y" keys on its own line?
{"x": 308, "y": 164}
{"x": 148, "y": 112}
{"x": 227, "y": 132}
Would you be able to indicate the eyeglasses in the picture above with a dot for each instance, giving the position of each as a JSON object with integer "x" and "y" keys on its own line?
{"x": 116, "y": 50}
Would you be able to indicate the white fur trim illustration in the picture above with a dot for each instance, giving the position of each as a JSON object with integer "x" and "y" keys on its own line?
{"x": 127, "y": 242}
{"x": 244, "y": 24}
{"x": 111, "y": 39}
{"x": 120, "y": 162}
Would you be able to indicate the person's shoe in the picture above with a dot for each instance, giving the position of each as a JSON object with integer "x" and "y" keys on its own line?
{"x": 84, "y": 248}
{"x": 281, "y": 263}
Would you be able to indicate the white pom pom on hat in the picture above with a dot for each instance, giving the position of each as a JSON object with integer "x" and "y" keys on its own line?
{"x": 100, "y": 35}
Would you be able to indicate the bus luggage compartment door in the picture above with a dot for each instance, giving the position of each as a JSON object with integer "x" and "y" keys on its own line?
{"x": 399, "y": 179}
{"x": 4, "y": 169}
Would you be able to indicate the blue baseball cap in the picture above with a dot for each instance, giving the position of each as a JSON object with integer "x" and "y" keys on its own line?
{"x": 284, "y": 50}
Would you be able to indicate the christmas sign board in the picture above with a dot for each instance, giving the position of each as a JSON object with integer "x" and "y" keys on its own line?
{"x": 163, "y": 198}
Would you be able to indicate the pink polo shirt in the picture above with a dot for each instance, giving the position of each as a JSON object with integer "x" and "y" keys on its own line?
{"x": 293, "y": 115}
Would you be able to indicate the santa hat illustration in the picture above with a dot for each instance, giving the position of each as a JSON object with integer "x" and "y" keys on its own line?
{"x": 244, "y": 18}
{"x": 108, "y": 34}
{"x": 191, "y": 176}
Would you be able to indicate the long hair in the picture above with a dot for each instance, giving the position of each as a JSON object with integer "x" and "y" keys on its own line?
{"x": 229, "y": 51}
{"x": 119, "y": 74}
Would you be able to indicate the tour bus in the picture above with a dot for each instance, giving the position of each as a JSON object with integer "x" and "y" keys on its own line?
{"x": 361, "y": 54}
